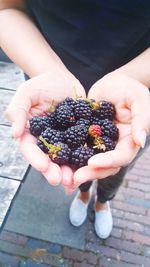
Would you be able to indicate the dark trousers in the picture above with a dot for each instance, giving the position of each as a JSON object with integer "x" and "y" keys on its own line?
{"x": 108, "y": 187}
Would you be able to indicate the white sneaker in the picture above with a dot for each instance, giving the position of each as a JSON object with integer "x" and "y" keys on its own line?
{"x": 78, "y": 210}
{"x": 103, "y": 222}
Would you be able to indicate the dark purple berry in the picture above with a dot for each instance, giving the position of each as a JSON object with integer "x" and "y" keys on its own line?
{"x": 109, "y": 128}
{"x": 52, "y": 120}
{"x": 76, "y": 136}
{"x": 83, "y": 122}
{"x": 82, "y": 109}
{"x": 60, "y": 153}
{"x": 106, "y": 110}
{"x": 38, "y": 124}
{"x": 109, "y": 143}
{"x": 81, "y": 155}
{"x": 65, "y": 117}
{"x": 97, "y": 121}
{"x": 51, "y": 136}
{"x": 69, "y": 102}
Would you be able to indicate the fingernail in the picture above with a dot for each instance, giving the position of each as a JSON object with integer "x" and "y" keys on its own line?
{"x": 142, "y": 139}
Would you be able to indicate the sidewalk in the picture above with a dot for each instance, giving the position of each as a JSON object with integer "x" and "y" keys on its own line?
{"x": 128, "y": 245}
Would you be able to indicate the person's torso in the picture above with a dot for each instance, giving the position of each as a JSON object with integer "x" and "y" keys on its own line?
{"x": 100, "y": 34}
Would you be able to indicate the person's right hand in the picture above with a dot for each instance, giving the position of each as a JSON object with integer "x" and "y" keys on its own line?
{"x": 32, "y": 98}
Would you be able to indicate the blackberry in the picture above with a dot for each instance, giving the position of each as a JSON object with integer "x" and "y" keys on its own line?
{"x": 59, "y": 153}
{"x": 52, "y": 120}
{"x": 106, "y": 110}
{"x": 51, "y": 136}
{"x": 82, "y": 109}
{"x": 42, "y": 146}
{"x": 97, "y": 121}
{"x": 103, "y": 144}
{"x": 83, "y": 122}
{"x": 38, "y": 124}
{"x": 109, "y": 129}
{"x": 109, "y": 143}
{"x": 69, "y": 102}
{"x": 65, "y": 117}
{"x": 76, "y": 136}
{"x": 81, "y": 155}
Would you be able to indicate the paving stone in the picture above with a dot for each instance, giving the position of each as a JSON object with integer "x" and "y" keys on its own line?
{"x": 54, "y": 260}
{"x": 91, "y": 236}
{"x": 124, "y": 245}
{"x": 110, "y": 252}
{"x": 116, "y": 232}
{"x": 82, "y": 264}
{"x": 142, "y": 173}
{"x": 137, "y": 201}
{"x": 131, "y": 192}
{"x": 53, "y": 248}
{"x": 11, "y": 76}
{"x": 15, "y": 250}
{"x": 131, "y": 176}
{"x": 91, "y": 258}
{"x": 12, "y": 164}
{"x": 146, "y": 231}
{"x": 8, "y": 260}
{"x": 147, "y": 251}
{"x": 30, "y": 263}
{"x": 13, "y": 238}
{"x": 138, "y": 260}
{"x": 37, "y": 255}
{"x": 73, "y": 254}
{"x": 140, "y": 186}
{"x": 134, "y": 236}
{"x": 5, "y": 98}
{"x": 117, "y": 213}
{"x": 107, "y": 262}
{"x": 127, "y": 207}
{"x": 8, "y": 189}
{"x": 47, "y": 214}
{"x": 128, "y": 225}
{"x": 137, "y": 218}
{"x": 4, "y": 265}
{"x": 92, "y": 247}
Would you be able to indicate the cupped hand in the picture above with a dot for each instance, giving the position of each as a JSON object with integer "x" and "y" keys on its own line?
{"x": 33, "y": 98}
{"x": 132, "y": 102}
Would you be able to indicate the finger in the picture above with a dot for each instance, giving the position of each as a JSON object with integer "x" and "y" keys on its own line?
{"x": 67, "y": 176}
{"x": 32, "y": 153}
{"x": 122, "y": 155}
{"x": 88, "y": 173}
{"x": 53, "y": 174}
{"x": 17, "y": 112}
{"x": 139, "y": 101}
{"x": 69, "y": 190}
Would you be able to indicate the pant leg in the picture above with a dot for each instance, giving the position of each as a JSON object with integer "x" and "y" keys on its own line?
{"x": 108, "y": 187}
{"x": 85, "y": 186}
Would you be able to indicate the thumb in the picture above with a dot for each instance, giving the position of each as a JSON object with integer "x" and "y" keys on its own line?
{"x": 140, "y": 113}
{"x": 17, "y": 112}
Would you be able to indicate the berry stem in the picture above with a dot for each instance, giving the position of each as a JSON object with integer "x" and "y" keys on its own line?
{"x": 51, "y": 148}
{"x": 94, "y": 105}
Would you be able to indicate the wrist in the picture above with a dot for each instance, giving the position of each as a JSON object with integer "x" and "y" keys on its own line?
{"x": 50, "y": 65}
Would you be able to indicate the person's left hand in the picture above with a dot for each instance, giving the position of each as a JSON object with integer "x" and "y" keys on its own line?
{"x": 132, "y": 102}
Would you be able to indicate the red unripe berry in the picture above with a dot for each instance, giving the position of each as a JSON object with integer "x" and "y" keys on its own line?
{"x": 94, "y": 130}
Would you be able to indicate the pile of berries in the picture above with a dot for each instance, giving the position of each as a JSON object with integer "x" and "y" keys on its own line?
{"x": 76, "y": 130}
